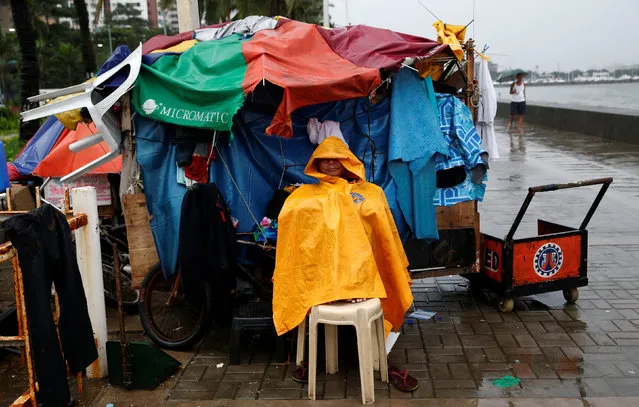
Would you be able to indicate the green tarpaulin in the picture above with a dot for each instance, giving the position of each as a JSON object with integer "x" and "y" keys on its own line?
{"x": 201, "y": 87}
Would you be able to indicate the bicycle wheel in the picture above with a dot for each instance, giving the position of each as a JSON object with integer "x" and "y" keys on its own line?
{"x": 130, "y": 296}
{"x": 171, "y": 319}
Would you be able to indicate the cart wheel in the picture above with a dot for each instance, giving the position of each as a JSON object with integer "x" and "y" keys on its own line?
{"x": 506, "y": 304}
{"x": 571, "y": 295}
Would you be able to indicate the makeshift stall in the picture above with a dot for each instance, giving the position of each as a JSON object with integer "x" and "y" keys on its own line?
{"x": 241, "y": 104}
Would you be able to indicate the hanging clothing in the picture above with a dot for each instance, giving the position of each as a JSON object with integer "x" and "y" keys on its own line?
{"x": 46, "y": 254}
{"x": 320, "y": 131}
{"x": 207, "y": 245}
{"x": 487, "y": 110}
{"x": 337, "y": 240}
{"x": 164, "y": 195}
{"x": 414, "y": 138}
{"x": 456, "y": 123}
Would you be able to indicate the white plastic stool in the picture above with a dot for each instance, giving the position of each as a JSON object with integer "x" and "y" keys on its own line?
{"x": 368, "y": 319}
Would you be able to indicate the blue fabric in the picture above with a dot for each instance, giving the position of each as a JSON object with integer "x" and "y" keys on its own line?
{"x": 457, "y": 126}
{"x": 255, "y": 159}
{"x": 255, "y": 164}
{"x": 4, "y": 171}
{"x": 164, "y": 195}
{"x": 39, "y": 146}
{"x": 119, "y": 55}
{"x": 414, "y": 138}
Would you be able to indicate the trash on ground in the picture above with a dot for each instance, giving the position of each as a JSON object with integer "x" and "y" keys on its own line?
{"x": 423, "y": 315}
{"x": 506, "y": 381}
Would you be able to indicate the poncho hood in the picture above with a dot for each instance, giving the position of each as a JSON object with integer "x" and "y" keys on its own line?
{"x": 335, "y": 148}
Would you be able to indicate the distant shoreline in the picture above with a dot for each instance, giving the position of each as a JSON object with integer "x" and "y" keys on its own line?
{"x": 607, "y": 82}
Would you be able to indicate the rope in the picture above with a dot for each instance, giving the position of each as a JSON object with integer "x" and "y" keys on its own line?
{"x": 228, "y": 170}
{"x": 475, "y": 95}
{"x": 279, "y": 186}
{"x": 427, "y": 9}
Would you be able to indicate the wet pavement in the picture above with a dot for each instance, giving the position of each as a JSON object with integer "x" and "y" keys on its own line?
{"x": 582, "y": 353}
{"x": 589, "y": 349}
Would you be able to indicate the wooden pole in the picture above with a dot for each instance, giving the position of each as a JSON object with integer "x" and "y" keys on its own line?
{"x": 470, "y": 74}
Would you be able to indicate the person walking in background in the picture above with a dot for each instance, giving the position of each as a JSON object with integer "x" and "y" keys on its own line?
{"x": 517, "y": 101}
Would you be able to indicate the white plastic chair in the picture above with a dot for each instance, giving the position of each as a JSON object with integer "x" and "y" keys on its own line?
{"x": 368, "y": 319}
{"x": 99, "y": 108}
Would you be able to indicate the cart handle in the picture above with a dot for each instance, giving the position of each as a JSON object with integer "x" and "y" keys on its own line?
{"x": 604, "y": 182}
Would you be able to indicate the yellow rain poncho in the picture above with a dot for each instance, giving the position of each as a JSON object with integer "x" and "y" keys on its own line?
{"x": 338, "y": 240}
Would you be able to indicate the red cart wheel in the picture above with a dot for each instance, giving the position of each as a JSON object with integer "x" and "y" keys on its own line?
{"x": 506, "y": 305}
{"x": 571, "y": 295}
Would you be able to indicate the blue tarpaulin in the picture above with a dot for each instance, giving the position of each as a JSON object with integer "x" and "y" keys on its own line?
{"x": 39, "y": 146}
{"x": 255, "y": 164}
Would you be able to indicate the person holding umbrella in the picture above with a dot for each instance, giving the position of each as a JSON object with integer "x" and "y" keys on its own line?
{"x": 517, "y": 101}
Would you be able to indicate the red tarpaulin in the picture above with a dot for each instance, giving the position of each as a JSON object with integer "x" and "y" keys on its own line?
{"x": 297, "y": 58}
{"x": 61, "y": 161}
{"x": 377, "y": 47}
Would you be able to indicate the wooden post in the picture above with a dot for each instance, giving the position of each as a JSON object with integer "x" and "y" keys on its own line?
{"x": 188, "y": 15}
{"x": 470, "y": 74}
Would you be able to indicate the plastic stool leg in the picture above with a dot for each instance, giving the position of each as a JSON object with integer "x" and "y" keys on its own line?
{"x": 312, "y": 359}
{"x": 381, "y": 352}
{"x": 301, "y": 341}
{"x": 330, "y": 339}
{"x": 374, "y": 347}
{"x": 365, "y": 361}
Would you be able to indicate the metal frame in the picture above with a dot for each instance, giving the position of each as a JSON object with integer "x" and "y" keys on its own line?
{"x": 547, "y": 230}
{"x": 23, "y": 340}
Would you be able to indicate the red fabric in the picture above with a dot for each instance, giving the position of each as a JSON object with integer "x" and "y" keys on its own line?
{"x": 14, "y": 175}
{"x": 376, "y": 47}
{"x": 296, "y": 57}
{"x": 61, "y": 161}
{"x": 198, "y": 170}
{"x": 163, "y": 41}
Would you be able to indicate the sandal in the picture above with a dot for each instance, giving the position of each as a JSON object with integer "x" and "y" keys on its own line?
{"x": 300, "y": 374}
{"x": 402, "y": 380}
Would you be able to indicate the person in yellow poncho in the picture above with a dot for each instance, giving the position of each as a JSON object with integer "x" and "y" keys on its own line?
{"x": 337, "y": 240}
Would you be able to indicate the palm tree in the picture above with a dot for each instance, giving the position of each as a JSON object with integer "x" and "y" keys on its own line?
{"x": 87, "y": 48}
{"x": 30, "y": 68}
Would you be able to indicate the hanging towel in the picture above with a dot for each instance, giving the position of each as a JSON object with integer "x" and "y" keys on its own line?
{"x": 414, "y": 138}
{"x": 487, "y": 110}
{"x": 320, "y": 131}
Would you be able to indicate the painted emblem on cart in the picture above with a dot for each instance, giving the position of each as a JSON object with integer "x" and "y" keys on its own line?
{"x": 548, "y": 260}
{"x": 491, "y": 260}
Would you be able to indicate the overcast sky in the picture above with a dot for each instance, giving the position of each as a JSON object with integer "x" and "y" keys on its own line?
{"x": 574, "y": 34}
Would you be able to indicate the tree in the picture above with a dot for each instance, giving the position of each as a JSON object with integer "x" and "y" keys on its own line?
{"x": 29, "y": 66}
{"x": 85, "y": 34}
{"x": 8, "y": 56}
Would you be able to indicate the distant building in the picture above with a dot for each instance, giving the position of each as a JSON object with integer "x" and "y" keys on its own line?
{"x": 168, "y": 19}
{"x": 6, "y": 19}
{"x": 148, "y": 10}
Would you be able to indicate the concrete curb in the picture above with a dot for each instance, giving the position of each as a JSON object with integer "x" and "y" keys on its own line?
{"x": 605, "y": 124}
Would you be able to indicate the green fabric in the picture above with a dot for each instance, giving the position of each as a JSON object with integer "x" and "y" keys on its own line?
{"x": 506, "y": 381}
{"x": 201, "y": 87}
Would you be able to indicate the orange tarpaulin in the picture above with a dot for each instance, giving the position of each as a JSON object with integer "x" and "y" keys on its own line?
{"x": 61, "y": 161}
{"x": 337, "y": 240}
{"x": 296, "y": 57}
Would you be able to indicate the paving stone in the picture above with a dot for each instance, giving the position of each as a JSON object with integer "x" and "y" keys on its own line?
{"x": 479, "y": 341}
{"x": 439, "y": 371}
{"x": 227, "y": 390}
{"x": 280, "y": 394}
{"x": 193, "y": 373}
{"x": 334, "y": 389}
{"x": 248, "y": 391}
